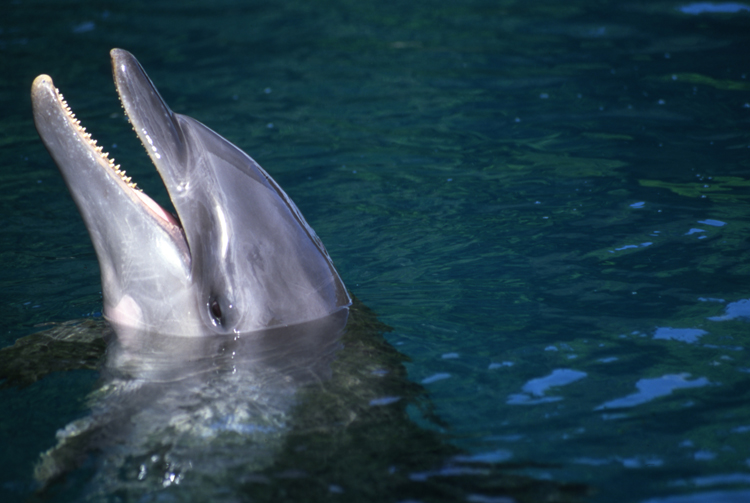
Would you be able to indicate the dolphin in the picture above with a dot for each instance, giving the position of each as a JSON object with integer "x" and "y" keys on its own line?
{"x": 238, "y": 257}
{"x": 220, "y": 313}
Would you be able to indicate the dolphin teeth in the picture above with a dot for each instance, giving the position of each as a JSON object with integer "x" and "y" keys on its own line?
{"x": 92, "y": 142}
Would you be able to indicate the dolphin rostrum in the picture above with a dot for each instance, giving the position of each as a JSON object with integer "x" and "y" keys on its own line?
{"x": 240, "y": 256}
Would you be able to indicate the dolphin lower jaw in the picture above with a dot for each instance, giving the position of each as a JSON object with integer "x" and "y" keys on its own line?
{"x": 128, "y": 229}
{"x": 135, "y": 318}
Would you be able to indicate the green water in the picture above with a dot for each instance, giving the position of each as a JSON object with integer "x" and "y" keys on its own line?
{"x": 547, "y": 201}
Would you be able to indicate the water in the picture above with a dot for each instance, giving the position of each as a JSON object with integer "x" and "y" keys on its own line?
{"x": 546, "y": 201}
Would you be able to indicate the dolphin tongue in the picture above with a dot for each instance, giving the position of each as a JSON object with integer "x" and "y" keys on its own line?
{"x": 157, "y": 209}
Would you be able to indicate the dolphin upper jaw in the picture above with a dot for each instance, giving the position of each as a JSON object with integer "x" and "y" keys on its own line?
{"x": 240, "y": 258}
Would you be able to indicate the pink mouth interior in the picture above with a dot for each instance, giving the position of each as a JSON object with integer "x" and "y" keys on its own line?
{"x": 158, "y": 210}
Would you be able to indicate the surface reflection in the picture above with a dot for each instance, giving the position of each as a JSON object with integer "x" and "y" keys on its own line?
{"x": 534, "y": 390}
{"x": 715, "y": 7}
{"x": 734, "y": 310}
{"x": 173, "y": 410}
{"x": 650, "y": 389}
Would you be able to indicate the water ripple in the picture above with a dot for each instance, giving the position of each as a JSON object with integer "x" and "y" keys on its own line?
{"x": 649, "y": 389}
{"x": 535, "y": 389}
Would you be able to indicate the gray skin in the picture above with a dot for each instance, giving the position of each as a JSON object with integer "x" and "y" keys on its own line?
{"x": 241, "y": 257}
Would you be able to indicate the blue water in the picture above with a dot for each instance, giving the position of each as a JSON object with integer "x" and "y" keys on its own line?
{"x": 547, "y": 201}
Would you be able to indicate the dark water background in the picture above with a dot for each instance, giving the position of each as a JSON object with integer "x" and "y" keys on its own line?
{"x": 547, "y": 201}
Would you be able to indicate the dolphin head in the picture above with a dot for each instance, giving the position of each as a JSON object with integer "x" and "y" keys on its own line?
{"x": 240, "y": 257}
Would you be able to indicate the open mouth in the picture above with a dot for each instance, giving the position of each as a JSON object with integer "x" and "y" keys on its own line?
{"x": 116, "y": 212}
{"x": 114, "y": 169}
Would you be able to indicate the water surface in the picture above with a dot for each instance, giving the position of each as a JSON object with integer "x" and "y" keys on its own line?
{"x": 547, "y": 202}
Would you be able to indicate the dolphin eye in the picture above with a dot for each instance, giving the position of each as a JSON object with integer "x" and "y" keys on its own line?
{"x": 215, "y": 309}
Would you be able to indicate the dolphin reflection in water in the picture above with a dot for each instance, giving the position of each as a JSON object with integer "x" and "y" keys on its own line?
{"x": 174, "y": 410}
